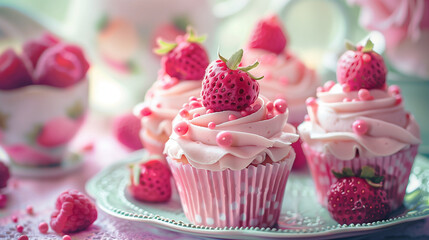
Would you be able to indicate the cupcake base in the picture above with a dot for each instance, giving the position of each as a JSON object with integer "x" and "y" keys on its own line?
{"x": 232, "y": 198}
{"x": 395, "y": 168}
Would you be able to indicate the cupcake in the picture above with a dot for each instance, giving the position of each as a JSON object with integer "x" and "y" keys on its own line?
{"x": 182, "y": 68}
{"x": 230, "y": 152}
{"x": 285, "y": 75}
{"x": 360, "y": 122}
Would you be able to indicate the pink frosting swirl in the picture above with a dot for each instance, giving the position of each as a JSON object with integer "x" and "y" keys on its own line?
{"x": 330, "y": 127}
{"x": 285, "y": 76}
{"x": 255, "y": 139}
{"x": 165, "y": 98}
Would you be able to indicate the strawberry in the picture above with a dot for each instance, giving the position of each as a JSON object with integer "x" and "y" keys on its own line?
{"x": 57, "y": 132}
{"x": 268, "y": 35}
{"x": 229, "y": 87}
{"x": 361, "y": 67}
{"x": 355, "y": 199}
{"x": 61, "y": 66}
{"x": 13, "y": 72}
{"x": 33, "y": 49}
{"x": 186, "y": 59}
{"x": 150, "y": 181}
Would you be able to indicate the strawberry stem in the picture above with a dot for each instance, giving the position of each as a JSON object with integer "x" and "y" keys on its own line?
{"x": 164, "y": 47}
{"x": 233, "y": 62}
{"x": 193, "y": 37}
{"x": 350, "y": 46}
{"x": 368, "y": 46}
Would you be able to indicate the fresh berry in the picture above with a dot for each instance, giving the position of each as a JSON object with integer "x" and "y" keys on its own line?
{"x": 355, "y": 199}
{"x": 361, "y": 68}
{"x": 186, "y": 59}
{"x": 57, "y": 131}
{"x": 4, "y": 174}
{"x": 73, "y": 212}
{"x": 150, "y": 181}
{"x": 126, "y": 129}
{"x": 229, "y": 87}
{"x": 33, "y": 49}
{"x": 3, "y": 200}
{"x": 61, "y": 66}
{"x": 13, "y": 72}
{"x": 269, "y": 35}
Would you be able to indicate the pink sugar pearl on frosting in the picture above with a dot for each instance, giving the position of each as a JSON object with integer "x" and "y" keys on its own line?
{"x": 224, "y": 139}
{"x": 280, "y": 105}
{"x": 211, "y": 125}
{"x": 364, "y": 95}
{"x": 145, "y": 111}
{"x": 181, "y": 128}
{"x": 360, "y": 127}
{"x": 311, "y": 101}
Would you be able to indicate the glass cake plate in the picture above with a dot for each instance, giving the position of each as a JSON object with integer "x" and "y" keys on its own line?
{"x": 301, "y": 216}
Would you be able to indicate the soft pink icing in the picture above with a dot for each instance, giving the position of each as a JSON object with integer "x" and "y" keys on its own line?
{"x": 285, "y": 76}
{"x": 254, "y": 138}
{"x": 164, "y": 103}
{"x": 330, "y": 128}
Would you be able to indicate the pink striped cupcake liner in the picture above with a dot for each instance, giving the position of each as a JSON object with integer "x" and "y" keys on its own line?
{"x": 232, "y": 198}
{"x": 395, "y": 168}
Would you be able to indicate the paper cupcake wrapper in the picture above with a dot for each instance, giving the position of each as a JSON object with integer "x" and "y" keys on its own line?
{"x": 232, "y": 198}
{"x": 395, "y": 168}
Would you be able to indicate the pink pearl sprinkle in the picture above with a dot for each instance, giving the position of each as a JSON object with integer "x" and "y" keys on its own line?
{"x": 395, "y": 89}
{"x": 232, "y": 117}
{"x": 29, "y": 209}
{"x": 181, "y": 128}
{"x": 270, "y": 115}
{"x": 280, "y": 105}
{"x": 256, "y": 107}
{"x": 23, "y": 237}
{"x": 398, "y": 99}
{"x": 145, "y": 111}
{"x": 366, "y": 58}
{"x": 347, "y": 100}
{"x": 244, "y": 113}
{"x": 328, "y": 85}
{"x": 184, "y": 113}
{"x": 14, "y": 219}
{"x": 20, "y": 228}
{"x": 270, "y": 106}
{"x": 224, "y": 139}
{"x": 195, "y": 104}
{"x": 192, "y": 99}
{"x": 43, "y": 227}
{"x": 195, "y": 115}
{"x": 211, "y": 125}
{"x": 364, "y": 95}
{"x": 158, "y": 105}
{"x": 346, "y": 87}
{"x": 360, "y": 127}
{"x": 66, "y": 237}
{"x": 248, "y": 109}
{"x": 311, "y": 101}
{"x": 209, "y": 111}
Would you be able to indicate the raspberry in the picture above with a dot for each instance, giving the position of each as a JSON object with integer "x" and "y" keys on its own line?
{"x": 228, "y": 87}
{"x": 74, "y": 212}
{"x": 362, "y": 68}
{"x": 268, "y": 35}
{"x": 126, "y": 129}
{"x": 4, "y": 174}
{"x": 33, "y": 49}
{"x": 13, "y": 72}
{"x": 61, "y": 66}
{"x": 150, "y": 182}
